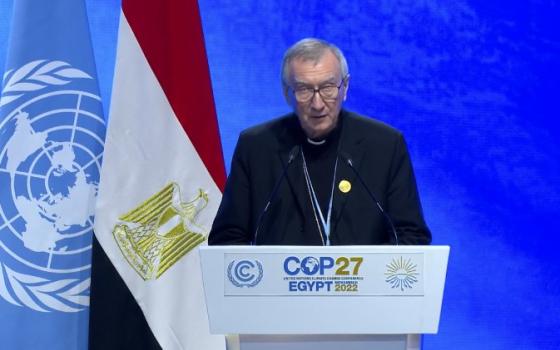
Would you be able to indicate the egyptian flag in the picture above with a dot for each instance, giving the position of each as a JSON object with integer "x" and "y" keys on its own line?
{"x": 160, "y": 185}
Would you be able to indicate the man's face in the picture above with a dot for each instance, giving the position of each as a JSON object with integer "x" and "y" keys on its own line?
{"x": 318, "y": 116}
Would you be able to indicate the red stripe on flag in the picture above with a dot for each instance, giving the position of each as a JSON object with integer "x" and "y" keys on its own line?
{"x": 170, "y": 35}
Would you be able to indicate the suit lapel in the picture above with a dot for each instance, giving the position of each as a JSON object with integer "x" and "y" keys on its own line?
{"x": 290, "y": 138}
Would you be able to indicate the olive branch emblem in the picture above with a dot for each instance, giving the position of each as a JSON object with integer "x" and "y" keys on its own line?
{"x": 43, "y": 295}
{"x": 37, "y": 75}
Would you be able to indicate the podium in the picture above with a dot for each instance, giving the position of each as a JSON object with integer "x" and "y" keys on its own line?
{"x": 335, "y": 297}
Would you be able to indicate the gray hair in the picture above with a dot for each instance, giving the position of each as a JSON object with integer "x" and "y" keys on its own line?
{"x": 311, "y": 49}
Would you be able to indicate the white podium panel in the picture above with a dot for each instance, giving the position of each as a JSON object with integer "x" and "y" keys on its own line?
{"x": 324, "y": 290}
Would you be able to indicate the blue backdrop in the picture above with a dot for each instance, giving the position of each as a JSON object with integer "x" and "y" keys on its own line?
{"x": 471, "y": 83}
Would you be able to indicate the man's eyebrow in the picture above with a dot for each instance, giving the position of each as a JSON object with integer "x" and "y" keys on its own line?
{"x": 331, "y": 80}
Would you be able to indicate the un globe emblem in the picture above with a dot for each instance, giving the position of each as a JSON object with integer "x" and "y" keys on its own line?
{"x": 51, "y": 144}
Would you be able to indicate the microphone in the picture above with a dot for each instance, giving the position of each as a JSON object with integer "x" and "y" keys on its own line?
{"x": 348, "y": 161}
{"x": 294, "y": 152}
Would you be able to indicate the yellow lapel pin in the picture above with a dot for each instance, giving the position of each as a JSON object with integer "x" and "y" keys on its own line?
{"x": 344, "y": 186}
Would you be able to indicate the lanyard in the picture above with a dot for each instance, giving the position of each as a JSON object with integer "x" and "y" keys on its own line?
{"x": 316, "y": 207}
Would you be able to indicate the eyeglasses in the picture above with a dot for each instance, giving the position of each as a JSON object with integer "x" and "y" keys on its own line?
{"x": 327, "y": 92}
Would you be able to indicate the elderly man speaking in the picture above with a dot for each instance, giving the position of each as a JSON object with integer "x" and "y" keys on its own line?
{"x": 320, "y": 175}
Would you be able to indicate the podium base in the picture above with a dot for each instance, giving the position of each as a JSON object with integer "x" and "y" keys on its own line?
{"x": 323, "y": 342}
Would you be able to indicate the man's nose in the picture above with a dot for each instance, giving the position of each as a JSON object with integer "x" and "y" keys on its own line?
{"x": 317, "y": 101}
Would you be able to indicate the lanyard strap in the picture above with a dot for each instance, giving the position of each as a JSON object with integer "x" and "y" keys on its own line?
{"x": 315, "y": 203}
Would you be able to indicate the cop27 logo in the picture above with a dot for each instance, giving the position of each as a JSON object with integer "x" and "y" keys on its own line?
{"x": 245, "y": 273}
{"x": 323, "y": 273}
{"x": 51, "y": 143}
{"x": 310, "y": 266}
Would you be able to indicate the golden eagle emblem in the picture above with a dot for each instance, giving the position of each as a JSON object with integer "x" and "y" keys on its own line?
{"x": 160, "y": 231}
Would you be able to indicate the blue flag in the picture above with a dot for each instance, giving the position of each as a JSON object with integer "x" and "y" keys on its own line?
{"x": 51, "y": 143}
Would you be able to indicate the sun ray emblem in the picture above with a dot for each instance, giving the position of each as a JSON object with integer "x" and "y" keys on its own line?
{"x": 401, "y": 274}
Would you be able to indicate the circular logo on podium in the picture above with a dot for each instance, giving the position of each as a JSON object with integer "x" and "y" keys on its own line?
{"x": 245, "y": 273}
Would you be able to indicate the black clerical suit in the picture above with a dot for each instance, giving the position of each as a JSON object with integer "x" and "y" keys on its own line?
{"x": 379, "y": 154}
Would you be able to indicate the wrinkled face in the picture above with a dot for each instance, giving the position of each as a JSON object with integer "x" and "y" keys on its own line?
{"x": 318, "y": 116}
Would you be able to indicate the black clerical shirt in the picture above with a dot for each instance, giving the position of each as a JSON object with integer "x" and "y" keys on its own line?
{"x": 321, "y": 160}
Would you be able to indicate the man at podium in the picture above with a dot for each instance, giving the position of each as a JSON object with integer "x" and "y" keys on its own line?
{"x": 321, "y": 175}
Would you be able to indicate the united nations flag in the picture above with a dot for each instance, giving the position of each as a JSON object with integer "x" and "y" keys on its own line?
{"x": 51, "y": 142}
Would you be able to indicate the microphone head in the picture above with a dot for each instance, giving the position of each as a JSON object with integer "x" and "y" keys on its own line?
{"x": 346, "y": 157}
{"x": 294, "y": 152}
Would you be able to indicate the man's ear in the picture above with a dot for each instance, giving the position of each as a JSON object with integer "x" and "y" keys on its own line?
{"x": 346, "y": 84}
{"x": 287, "y": 96}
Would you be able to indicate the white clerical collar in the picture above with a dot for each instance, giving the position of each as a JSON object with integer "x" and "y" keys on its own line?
{"x": 316, "y": 143}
